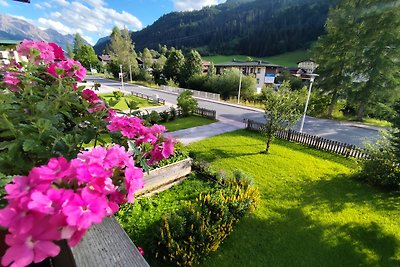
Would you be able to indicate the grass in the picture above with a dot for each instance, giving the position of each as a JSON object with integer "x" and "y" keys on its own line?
{"x": 146, "y": 84}
{"x": 311, "y": 212}
{"x": 186, "y": 122}
{"x": 121, "y": 105}
{"x": 288, "y": 59}
{"x": 369, "y": 121}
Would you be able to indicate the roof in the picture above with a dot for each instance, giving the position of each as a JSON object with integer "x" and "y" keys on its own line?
{"x": 306, "y": 60}
{"x": 105, "y": 57}
{"x": 9, "y": 42}
{"x": 247, "y": 64}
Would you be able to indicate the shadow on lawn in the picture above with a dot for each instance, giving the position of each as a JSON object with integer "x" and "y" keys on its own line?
{"x": 296, "y": 240}
{"x": 343, "y": 190}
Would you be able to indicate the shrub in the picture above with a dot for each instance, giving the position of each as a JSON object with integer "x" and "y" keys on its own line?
{"x": 188, "y": 235}
{"x": 173, "y": 113}
{"x": 154, "y": 117}
{"x": 382, "y": 167}
{"x": 165, "y": 116}
{"x": 187, "y": 103}
{"x": 180, "y": 153}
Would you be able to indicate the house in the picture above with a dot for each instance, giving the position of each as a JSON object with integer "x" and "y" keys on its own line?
{"x": 206, "y": 66}
{"x": 105, "y": 59}
{"x": 308, "y": 65}
{"x": 8, "y": 52}
{"x": 263, "y": 72}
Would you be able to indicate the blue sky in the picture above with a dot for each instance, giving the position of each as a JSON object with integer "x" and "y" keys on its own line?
{"x": 95, "y": 18}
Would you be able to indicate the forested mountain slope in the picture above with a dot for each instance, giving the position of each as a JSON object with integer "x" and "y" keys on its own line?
{"x": 255, "y": 28}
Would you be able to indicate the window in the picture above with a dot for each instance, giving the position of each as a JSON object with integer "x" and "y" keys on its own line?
{"x": 258, "y": 80}
{"x": 258, "y": 70}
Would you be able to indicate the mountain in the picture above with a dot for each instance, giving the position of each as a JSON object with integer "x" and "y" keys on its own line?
{"x": 249, "y": 27}
{"x": 18, "y": 29}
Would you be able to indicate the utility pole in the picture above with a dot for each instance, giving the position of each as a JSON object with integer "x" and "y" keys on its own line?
{"x": 122, "y": 78}
{"x": 312, "y": 78}
{"x": 240, "y": 85}
{"x": 130, "y": 72}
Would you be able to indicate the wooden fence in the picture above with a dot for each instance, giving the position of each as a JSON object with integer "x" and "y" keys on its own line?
{"x": 314, "y": 141}
{"x": 150, "y": 98}
{"x": 212, "y": 114}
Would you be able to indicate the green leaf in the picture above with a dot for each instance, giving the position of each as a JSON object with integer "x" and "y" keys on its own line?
{"x": 30, "y": 145}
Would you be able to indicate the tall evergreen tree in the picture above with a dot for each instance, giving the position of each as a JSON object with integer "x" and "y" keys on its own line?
{"x": 361, "y": 50}
{"x": 147, "y": 58}
{"x": 174, "y": 65}
{"x": 122, "y": 52}
{"x": 193, "y": 65}
{"x": 88, "y": 58}
{"x": 78, "y": 42}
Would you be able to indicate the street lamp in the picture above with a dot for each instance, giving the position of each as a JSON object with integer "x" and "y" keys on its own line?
{"x": 312, "y": 79}
{"x": 240, "y": 85}
{"x": 122, "y": 77}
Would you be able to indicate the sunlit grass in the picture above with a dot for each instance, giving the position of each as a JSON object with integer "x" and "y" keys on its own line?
{"x": 186, "y": 122}
{"x": 311, "y": 213}
{"x": 121, "y": 105}
{"x": 288, "y": 59}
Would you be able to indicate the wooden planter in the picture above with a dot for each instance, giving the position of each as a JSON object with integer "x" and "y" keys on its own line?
{"x": 163, "y": 178}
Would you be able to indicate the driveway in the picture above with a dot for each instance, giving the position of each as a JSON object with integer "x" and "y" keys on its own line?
{"x": 351, "y": 133}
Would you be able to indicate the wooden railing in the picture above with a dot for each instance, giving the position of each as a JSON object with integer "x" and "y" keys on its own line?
{"x": 314, "y": 141}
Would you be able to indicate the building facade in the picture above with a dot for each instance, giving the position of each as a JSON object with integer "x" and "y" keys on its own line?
{"x": 264, "y": 72}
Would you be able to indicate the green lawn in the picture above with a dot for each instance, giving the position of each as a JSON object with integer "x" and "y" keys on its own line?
{"x": 311, "y": 212}
{"x": 186, "y": 122}
{"x": 142, "y": 103}
{"x": 289, "y": 59}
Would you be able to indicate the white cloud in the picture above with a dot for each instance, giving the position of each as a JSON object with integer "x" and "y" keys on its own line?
{"x": 4, "y": 3}
{"x": 56, "y": 25}
{"x": 38, "y": 6}
{"x": 22, "y": 18}
{"x": 88, "y": 17}
{"x": 47, "y": 5}
{"x": 187, "y": 5}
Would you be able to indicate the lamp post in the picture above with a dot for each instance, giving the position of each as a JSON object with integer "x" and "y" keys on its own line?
{"x": 130, "y": 72}
{"x": 312, "y": 79}
{"x": 240, "y": 85}
{"x": 122, "y": 77}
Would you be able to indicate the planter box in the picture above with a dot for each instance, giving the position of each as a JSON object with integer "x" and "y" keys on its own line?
{"x": 163, "y": 178}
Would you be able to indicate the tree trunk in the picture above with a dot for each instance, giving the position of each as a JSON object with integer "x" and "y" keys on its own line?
{"x": 333, "y": 103}
{"x": 361, "y": 111}
{"x": 268, "y": 144}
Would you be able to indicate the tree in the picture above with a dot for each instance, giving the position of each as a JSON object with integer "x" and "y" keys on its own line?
{"x": 174, "y": 65}
{"x": 88, "y": 58}
{"x": 359, "y": 53}
{"x": 282, "y": 110}
{"x": 70, "y": 51}
{"x": 193, "y": 65}
{"x": 122, "y": 52}
{"x": 78, "y": 43}
{"x": 158, "y": 67}
{"x": 147, "y": 59}
{"x": 187, "y": 103}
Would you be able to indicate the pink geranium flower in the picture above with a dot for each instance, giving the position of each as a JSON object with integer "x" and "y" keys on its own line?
{"x": 34, "y": 246}
{"x": 85, "y": 208}
{"x": 58, "y": 51}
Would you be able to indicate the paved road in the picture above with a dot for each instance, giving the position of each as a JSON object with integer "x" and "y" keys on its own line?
{"x": 334, "y": 130}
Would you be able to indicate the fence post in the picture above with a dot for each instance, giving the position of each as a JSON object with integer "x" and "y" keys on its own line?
{"x": 289, "y": 136}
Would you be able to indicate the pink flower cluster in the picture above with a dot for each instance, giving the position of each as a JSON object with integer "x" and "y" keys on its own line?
{"x": 37, "y": 51}
{"x": 93, "y": 99}
{"x": 133, "y": 128}
{"x": 69, "y": 67}
{"x": 62, "y": 199}
{"x": 11, "y": 80}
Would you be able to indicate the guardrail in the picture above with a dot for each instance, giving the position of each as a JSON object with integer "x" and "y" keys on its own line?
{"x": 195, "y": 93}
{"x": 150, "y": 98}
